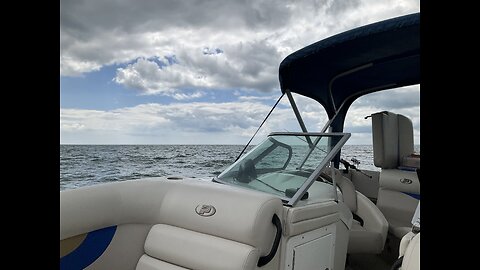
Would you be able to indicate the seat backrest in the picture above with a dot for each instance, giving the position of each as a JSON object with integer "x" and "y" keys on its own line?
{"x": 348, "y": 190}
{"x": 211, "y": 226}
{"x": 399, "y": 188}
{"x": 371, "y": 232}
{"x": 392, "y": 139}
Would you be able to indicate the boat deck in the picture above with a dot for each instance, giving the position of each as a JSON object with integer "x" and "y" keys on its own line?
{"x": 382, "y": 261}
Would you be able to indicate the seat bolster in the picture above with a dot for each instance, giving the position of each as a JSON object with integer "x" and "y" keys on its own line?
{"x": 194, "y": 250}
{"x": 373, "y": 219}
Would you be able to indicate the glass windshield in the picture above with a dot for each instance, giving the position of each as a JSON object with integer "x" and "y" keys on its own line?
{"x": 282, "y": 164}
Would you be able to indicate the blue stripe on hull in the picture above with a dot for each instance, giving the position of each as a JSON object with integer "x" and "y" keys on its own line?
{"x": 91, "y": 248}
{"x": 413, "y": 195}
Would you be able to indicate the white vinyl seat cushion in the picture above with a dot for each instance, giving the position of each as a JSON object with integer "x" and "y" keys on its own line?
{"x": 178, "y": 235}
{"x": 235, "y": 236}
{"x": 410, "y": 250}
{"x": 392, "y": 139}
{"x": 177, "y": 247}
{"x": 398, "y": 209}
{"x": 392, "y": 142}
{"x": 149, "y": 263}
{"x": 369, "y": 238}
{"x": 242, "y": 215}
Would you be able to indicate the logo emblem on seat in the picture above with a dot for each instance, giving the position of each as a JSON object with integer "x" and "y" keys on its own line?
{"x": 205, "y": 210}
{"x": 406, "y": 181}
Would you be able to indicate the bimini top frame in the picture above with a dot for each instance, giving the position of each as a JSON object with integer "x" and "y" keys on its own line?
{"x": 337, "y": 70}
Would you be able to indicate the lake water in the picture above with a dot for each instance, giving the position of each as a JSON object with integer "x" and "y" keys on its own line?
{"x": 84, "y": 165}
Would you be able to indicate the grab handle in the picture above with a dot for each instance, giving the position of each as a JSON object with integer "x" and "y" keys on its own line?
{"x": 266, "y": 259}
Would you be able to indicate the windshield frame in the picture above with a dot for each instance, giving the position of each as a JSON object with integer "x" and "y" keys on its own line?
{"x": 313, "y": 176}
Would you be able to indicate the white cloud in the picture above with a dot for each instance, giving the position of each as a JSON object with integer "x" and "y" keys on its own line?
{"x": 211, "y": 123}
{"x": 151, "y": 78}
{"x": 181, "y": 96}
{"x": 249, "y": 65}
{"x": 398, "y": 98}
{"x": 256, "y": 98}
{"x": 181, "y": 48}
{"x": 197, "y": 122}
{"x": 403, "y": 100}
{"x": 218, "y": 44}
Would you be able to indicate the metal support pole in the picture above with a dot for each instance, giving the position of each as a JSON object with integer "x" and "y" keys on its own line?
{"x": 297, "y": 114}
{"x": 334, "y": 182}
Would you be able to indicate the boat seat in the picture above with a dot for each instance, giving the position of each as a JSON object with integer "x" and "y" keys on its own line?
{"x": 410, "y": 250}
{"x": 235, "y": 232}
{"x": 393, "y": 152}
{"x": 171, "y": 247}
{"x": 369, "y": 227}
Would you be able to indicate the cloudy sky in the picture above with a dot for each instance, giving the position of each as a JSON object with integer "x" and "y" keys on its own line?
{"x": 202, "y": 72}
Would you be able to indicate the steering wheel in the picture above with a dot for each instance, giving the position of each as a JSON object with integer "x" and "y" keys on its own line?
{"x": 246, "y": 171}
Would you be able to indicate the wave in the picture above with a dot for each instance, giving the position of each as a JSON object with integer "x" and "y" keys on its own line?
{"x": 91, "y": 164}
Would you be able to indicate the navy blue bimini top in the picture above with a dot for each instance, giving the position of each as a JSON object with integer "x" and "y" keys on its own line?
{"x": 366, "y": 59}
